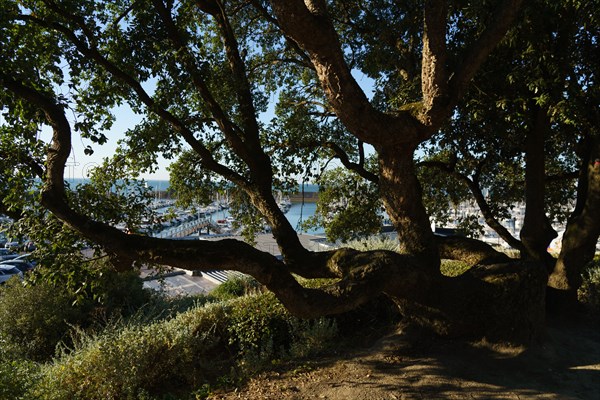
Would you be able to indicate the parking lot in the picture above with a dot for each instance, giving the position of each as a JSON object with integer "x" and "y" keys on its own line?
{"x": 178, "y": 283}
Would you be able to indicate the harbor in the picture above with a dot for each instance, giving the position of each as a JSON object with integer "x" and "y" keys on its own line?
{"x": 178, "y": 281}
{"x": 213, "y": 222}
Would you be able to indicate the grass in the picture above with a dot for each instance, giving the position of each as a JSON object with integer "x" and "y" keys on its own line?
{"x": 453, "y": 267}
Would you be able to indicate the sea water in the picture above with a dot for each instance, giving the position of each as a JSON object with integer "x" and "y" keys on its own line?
{"x": 299, "y": 213}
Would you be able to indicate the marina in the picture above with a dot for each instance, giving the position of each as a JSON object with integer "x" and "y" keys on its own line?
{"x": 213, "y": 222}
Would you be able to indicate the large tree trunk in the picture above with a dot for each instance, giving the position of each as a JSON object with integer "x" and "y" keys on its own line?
{"x": 402, "y": 197}
{"x": 583, "y": 228}
{"x": 537, "y": 232}
{"x": 500, "y": 302}
{"x": 503, "y": 301}
{"x": 499, "y": 298}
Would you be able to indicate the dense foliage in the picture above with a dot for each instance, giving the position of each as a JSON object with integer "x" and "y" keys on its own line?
{"x": 151, "y": 354}
{"x": 495, "y": 101}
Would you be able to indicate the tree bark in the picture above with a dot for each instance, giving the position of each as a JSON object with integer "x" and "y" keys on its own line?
{"x": 537, "y": 232}
{"x": 583, "y": 228}
{"x": 502, "y": 302}
{"x": 401, "y": 193}
{"x": 470, "y": 251}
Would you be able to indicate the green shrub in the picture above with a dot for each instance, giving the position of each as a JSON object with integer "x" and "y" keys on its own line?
{"x": 235, "y": 287}
{"x": 119, "y": 294}
{"x": 36, "y": 316}
{"x": 589, "y": 292}
{"x": 259, "y": 328}
{"x": 140, "y": 361}
{"x": 196, "y": 349}
{"x": 34, "y": 319}
{"x": 17, "y": 377}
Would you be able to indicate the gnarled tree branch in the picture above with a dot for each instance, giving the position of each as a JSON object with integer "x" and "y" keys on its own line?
{"x": 94, "y": 55}
{"x": 484, "y": 207}
{"x": 309, "y": 26}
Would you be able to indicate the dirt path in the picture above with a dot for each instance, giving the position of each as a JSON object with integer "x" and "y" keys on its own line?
{"x": 401, "y": 366}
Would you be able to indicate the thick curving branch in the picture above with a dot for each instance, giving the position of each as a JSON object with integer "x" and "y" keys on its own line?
{"x": 308, "y": 24}
{"x": 60, "y": 148}
{"x": 94, "y": 55}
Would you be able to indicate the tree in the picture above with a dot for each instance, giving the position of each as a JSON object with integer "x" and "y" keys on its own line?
{"x": 533, "y": 120}
{"x": 202, "y": 72}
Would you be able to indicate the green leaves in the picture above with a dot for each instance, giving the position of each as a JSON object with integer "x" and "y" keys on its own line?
{"x": 231, "y": 97}
{"x": 349, "y": 207}
{"x": 529, "y": 78}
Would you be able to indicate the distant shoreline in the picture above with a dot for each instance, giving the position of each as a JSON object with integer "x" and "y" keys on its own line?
{"x": 308, "y": 194}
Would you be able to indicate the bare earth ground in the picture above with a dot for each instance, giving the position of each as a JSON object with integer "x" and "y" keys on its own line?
{"x": 404, "y": 365}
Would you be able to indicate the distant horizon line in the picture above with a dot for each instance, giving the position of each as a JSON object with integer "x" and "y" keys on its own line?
{"x": 168, "y": 182}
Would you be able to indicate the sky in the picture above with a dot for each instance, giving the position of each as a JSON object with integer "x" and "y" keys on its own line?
{"x": 79, "y": 163}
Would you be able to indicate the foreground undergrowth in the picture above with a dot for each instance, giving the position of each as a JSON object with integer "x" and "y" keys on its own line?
{"x": 183, "y": 348}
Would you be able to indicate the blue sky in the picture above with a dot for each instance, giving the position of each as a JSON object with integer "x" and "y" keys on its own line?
{"x": 79, "y": 163}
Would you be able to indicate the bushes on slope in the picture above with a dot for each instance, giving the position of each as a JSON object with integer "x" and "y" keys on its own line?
{"x": 188, "y": 351}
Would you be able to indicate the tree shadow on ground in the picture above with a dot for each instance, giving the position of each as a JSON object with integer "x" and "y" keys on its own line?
{"x": 565, "y": 365}
{"x": 409, "y": 364}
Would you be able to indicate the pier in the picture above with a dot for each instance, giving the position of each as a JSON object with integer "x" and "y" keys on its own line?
{"x": 188, "y": 228}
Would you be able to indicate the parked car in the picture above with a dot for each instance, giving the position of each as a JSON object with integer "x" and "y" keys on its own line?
{"x": 8, "y": 271}
{"x": 6, "y": 254}
{"x": 12, "y": 245}
{"x": 21, "y": 265}
{"x": 26, "y": 257}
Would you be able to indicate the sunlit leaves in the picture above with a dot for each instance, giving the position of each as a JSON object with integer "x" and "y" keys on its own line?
{"x": 349, "y": 207}
{"x": 190, "y": 183}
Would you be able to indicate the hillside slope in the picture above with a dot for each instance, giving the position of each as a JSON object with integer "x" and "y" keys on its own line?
{"x": 405, "y": 365}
